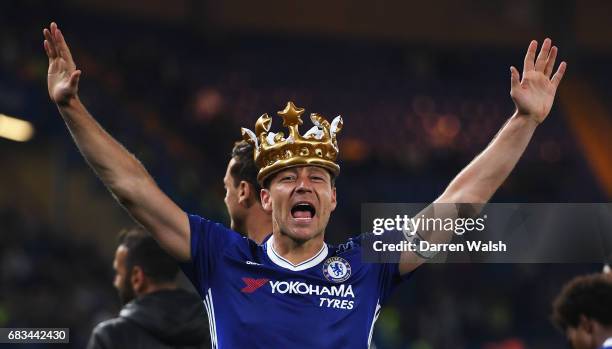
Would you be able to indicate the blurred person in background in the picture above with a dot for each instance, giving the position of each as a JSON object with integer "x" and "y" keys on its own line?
{"x": 156, "y": 313}
{"x": 242, "y": 195}
{"x": 583, "y": 311}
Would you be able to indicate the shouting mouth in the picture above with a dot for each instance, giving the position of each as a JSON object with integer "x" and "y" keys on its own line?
{"x": 303, "y": 212}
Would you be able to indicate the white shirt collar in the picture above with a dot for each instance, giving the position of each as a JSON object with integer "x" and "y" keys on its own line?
{"x": 607, "y": 343}
{"x": 284, "y": 263}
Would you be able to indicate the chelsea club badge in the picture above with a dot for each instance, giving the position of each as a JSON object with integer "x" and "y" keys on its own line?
{"x": 336, "y": 269}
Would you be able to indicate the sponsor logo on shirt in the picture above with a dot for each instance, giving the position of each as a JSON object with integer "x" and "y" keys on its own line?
{"x": 252, "y": 285}
{"x": 332, "y": 293}
{"x": 329, "y": 296}
{"x": 298, "y": 287}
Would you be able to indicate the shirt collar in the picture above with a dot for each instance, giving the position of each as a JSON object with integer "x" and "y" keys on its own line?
{"x": 284, "y": 263}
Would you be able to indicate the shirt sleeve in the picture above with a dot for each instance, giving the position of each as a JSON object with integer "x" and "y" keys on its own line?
{"x": 390, "y": 274}
{"x": 208, "y": 242}
{"x": 385, "y": 266}
{"x": 390, "y": 278}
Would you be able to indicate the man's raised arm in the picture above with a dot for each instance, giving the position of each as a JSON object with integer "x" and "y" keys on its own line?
{"x": 121, "y": 172}
{"x": 533, "y": 97}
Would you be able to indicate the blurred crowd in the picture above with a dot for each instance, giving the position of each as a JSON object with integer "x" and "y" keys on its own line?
{"x": 414, "y": 116}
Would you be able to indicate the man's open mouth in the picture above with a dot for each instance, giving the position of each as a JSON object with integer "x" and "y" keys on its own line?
{"x": 303, "y": 210}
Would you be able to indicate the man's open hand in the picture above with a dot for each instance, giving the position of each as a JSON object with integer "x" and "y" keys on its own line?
{"x": 62, "y": 78}
{"x": 533, "y": 96}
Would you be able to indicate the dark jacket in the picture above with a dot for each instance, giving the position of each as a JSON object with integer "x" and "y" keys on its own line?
{"x": 163, "y": 319}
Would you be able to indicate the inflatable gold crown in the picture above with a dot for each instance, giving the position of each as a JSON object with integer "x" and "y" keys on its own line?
{"x": 274, "y": 151}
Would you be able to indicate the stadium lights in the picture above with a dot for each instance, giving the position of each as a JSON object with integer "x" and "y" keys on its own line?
{"x": 15, "y": 129}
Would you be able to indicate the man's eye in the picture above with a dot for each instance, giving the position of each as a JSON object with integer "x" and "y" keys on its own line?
{"x": 316, "y": 178}
{"x": 287, "y": 178}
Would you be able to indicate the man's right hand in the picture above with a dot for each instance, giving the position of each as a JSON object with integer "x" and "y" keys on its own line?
{"x": 62, "y": 77}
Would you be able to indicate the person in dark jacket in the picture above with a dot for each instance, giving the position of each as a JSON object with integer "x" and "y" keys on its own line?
{"x": 156, "y": 313}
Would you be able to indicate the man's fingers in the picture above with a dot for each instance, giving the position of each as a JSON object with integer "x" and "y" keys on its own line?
{"x": 550, "y": 63}
{"x": 74, "y": 78}
{"x": 62, "y": 47}
{"x": 543, "y": 55}
{"x": 556, "y": 79}
{"x": 48, "y": 50}
{"x": 49, "y": 47}
{"x": 530, "y": 56}
{"x": 515, "y": 78}
{"x": 55, "y": 39}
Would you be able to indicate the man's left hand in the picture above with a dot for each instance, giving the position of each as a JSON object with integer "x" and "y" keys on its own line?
{"x": 533, "y": 95}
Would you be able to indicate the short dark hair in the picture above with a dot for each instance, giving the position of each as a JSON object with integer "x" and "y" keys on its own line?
{"x": 145, "y": 252}
{"x": 244, "y": 168}
{"x": 588, "y": 295}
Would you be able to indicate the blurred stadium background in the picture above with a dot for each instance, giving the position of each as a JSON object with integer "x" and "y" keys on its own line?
{"x": 422, "y": 87}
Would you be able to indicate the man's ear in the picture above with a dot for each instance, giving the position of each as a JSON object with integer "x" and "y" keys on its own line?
{"x": 266, "y": 200}
{"x": 244, "y": 193}
{"x": 137, "y": 278}
{"x": 586, "y": 324}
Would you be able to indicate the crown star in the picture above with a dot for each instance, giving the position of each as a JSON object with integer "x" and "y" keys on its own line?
{"x": 291, "y": 115}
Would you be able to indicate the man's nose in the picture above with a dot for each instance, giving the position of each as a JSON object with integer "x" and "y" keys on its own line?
{"x": 303, "y": 185}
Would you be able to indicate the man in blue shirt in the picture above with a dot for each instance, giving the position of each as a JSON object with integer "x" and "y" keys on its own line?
{"x": 293, "y": 290}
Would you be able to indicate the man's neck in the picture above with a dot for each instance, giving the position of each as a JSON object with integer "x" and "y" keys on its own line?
{"x": 258, "y": 224}
{"x": 158, "y": 287}
{"x": 294, "y": 251}
{"x": 606, "y": 339}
